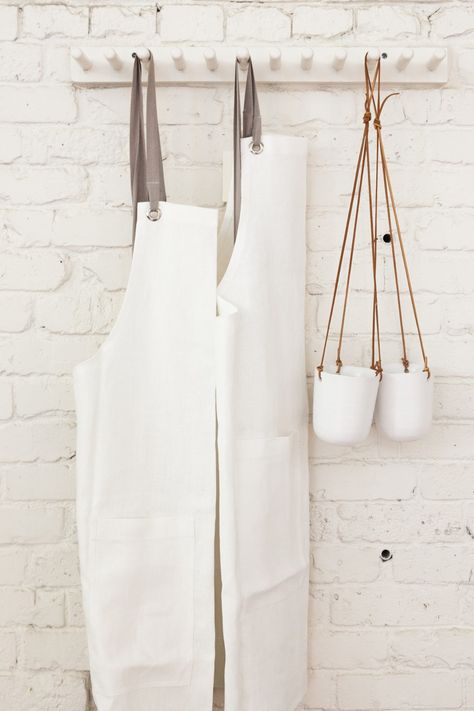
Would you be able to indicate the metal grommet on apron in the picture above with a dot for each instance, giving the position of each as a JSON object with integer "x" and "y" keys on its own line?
{"x": 256, "y": 148}
{"x": 153, "y": 215}
{"x": 174, "y": 388}
{"x": 146, "y": 455}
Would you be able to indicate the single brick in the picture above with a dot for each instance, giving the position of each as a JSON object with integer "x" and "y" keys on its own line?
{"x": 122, "y": 21}
{"x": 20, "y": 62}
{"x": 339, "y": 564}
{"x": 15, "y": 312}
{"x": 387, "y": 22}
{"x": 39, "y": 482}
{"x": 363, "y": 480}
{"x": 360, "y": 649}
{"x": 8, "y": 650}
{"x": 455, "y": 21}
{"x": 394, "y": 605}
{"x": 48, "y": 691}
{"x": 31, "y": 525}
{"x": 37, "y": 104}
{"x": 180, "y": 23}
{"x": 421, "y": 689}
{"x": 55, "y": 649}
{"x": 322, "y": 21}
{"x": 92, "y": 227}
{"x": 33, "y": 270}
{"x": 401, "y": 522}
{"x": 45, "y": 353}
{"x": 55, "y": 21}
{"x": 48, "y": 439}
{"x": 434, "y": 564}
{"x": 8, "y": 22}
{"x": 56, "y": 566}
{"x": 16, "y": 606}
{"x": 26, "y": 228}
{"x": 438, "y": 480}
{"x": 12, "y": 565}
{"x": 42, "y": 185}
{"x": 259, "y": 23}
{"x": 6, "y": 397}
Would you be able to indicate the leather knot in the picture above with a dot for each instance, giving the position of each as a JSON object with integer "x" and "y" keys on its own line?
{"x": 426, "y": 369}
{"x": 367, "y": 117}
{"x": 377, "y": 124}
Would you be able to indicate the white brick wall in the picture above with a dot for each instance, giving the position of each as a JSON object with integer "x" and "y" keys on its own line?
{"x": 393, "y": 635}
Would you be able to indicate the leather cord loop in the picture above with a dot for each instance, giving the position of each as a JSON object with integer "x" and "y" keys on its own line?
{"x": 362, "y": 169}
{"x": 392, "y": 217}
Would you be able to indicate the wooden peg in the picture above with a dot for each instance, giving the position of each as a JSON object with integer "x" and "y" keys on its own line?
{"x": 211, "y": 59}
{"x": 275, "y": 59}
{"x": 82, "y": 59}
{"x": 143, "y": 54}
{"x": 436, "y": 59}
{"x": 340, "y": 56}
{"x": 373, "y": 55}
{"x": 178, "y": 58}
{"x": 307, "y": 55}
{"x": 404, "y": 59}
{"x": 243, "y": 56}
{"x": 113, "y": 59}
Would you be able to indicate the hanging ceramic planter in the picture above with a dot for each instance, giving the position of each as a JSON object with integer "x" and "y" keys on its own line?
{"x": 344, "y": 404}
{"x": 405, "y": 403}
{"x": 405, "y": 399}
{"x": 345, "y": 396}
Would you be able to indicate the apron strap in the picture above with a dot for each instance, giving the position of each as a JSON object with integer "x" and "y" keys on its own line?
{"x": 146, "y": 166}
{"x": 252, "y": 126}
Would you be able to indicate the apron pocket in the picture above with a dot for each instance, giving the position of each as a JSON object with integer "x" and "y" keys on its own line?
{"x": 269, "y": 515}
{"x": 141, "y": 603}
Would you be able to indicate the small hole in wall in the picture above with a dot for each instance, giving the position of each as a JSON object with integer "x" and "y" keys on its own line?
{"x": 384, "y": 55}
{"x": 387, "y": 238}
{"x": 385, "y": 555}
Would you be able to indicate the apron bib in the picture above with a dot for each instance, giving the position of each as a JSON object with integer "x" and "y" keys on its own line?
{"x": 147, "y": 434}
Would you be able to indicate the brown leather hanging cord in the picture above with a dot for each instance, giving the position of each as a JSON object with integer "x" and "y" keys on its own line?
{"x": 392, "y": 210}
{"x": 363, "y": 163}
{"x": 373, "y": 214}
{"x": 372, "y": 87}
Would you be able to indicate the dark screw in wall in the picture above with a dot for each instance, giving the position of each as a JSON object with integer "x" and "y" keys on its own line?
{"x": 387, "y": 238}
{"x": 385, "y": 555}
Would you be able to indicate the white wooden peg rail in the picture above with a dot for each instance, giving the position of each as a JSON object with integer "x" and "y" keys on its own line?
{"x": 300, "y": 65}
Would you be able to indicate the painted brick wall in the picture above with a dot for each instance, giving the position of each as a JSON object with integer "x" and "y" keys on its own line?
{"x": 394, "y": 635}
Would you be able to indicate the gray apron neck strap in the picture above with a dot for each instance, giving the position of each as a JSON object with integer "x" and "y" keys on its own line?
{"x": 146, "y": 165}
{"x": 252, "y": 126}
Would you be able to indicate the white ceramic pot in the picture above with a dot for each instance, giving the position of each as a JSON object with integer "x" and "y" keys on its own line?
{"x": 343, "y": 405}
{"x": 404, "y": 407}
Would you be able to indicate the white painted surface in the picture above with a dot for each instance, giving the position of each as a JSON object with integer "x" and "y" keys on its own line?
{"x": 395, "y": 635}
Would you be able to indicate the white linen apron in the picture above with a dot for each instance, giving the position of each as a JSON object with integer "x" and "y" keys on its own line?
{"x": 146, "y": 447}
{"x": 263, "y": 424}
